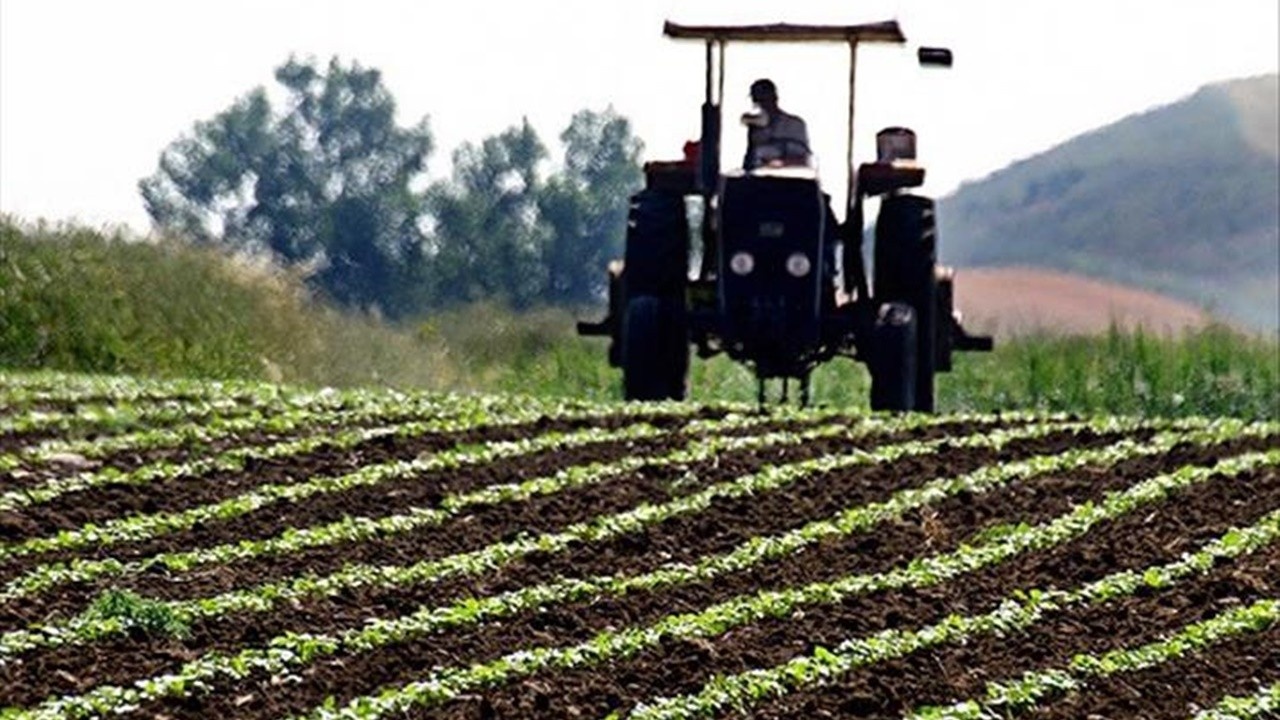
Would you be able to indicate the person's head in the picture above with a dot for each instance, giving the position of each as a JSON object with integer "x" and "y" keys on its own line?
{"x": 764, "y": 93}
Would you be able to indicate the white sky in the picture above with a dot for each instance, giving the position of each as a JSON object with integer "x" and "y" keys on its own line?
{"x": 92, "y": 91}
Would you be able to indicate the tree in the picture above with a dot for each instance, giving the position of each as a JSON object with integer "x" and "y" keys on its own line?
{"x": 327, "y": 184}
{"x": 489, "y": 235}
{"x": 585, "y": 204}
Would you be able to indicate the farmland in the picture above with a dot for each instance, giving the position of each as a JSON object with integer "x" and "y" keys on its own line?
{"x": 187, "y": 549}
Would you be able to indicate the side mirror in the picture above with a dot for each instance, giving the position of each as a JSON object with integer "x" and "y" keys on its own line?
{"x": 934, "y": 57}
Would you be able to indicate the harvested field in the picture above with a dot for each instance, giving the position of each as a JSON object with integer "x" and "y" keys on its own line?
{"x": 189, "y": 550}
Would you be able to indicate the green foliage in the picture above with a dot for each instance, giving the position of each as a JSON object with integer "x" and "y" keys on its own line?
{"x": 325, "y": 184}
{"x": 73, "y": 299}
{"x": 135, "y": 612}
{"x": 503, "y": 231}
{"x": 328, "y": 183}
{"x": 1213, "y": 371}
{"x": 489, "y": 240}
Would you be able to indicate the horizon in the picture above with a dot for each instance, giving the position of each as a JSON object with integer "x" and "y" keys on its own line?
{"x": 70, "y": 150}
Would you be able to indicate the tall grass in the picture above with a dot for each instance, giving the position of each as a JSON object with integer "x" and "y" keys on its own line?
{"x": 77, "y": 299}
{"x": 73, "y": 298}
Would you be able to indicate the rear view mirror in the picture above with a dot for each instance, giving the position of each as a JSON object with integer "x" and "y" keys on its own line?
{"x": 934, "y": 56}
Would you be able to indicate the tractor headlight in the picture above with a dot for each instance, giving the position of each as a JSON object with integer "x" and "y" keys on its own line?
{"x": 798, "y": 265}
{"x": 742, "y": 263}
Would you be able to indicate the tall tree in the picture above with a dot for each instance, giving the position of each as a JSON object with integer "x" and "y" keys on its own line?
{"x": 326, "y": 183}
{"x": 585, "y": 204}
{"x": 489, "y": 236}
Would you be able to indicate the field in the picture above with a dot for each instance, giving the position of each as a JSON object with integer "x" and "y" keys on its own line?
{"x": 174, "y": 549}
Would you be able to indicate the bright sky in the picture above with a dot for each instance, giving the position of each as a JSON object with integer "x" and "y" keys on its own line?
{"x": 92, "y": 91}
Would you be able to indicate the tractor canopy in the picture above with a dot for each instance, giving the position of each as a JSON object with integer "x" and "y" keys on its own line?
{"x": 887, "y": 31}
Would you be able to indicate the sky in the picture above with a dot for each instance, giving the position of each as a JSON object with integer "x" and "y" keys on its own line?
{"x": 91, "y": 92}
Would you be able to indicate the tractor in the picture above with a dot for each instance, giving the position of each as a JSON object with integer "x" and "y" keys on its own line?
{"x": 776, "y": 282}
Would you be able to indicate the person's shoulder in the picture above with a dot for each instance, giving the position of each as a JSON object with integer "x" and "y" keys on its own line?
{"x": 787, "y": 117}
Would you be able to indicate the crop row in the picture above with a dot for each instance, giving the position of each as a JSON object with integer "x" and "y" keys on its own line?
{"x": 292, "y": 650}
{"x": 266, "y": 597}
{"x": 44, "y": 577}
{"x": 406, "y": 417}
{"x": 145, "y": 527}
{"x": 28, "y": 388}
{"x": 329, "y": 409}
{"x": 1016, "y": 613}
{"x": 118, "y": 417}
{"x": 1003, "y": 698}
{"x": 1264, "y": 703}
{"x": 737, "y": 691}
{"x": 312, "y": 410}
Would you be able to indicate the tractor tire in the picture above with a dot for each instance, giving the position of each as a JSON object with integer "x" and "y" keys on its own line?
{"x": 657, "y": 248}
{"x": 655, "y": 350}
{"x": 906, "y": 255}
{"x": 893, "y": 359}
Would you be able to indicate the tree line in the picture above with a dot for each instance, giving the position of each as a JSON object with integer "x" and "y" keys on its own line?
{"x": 328, "y": 183}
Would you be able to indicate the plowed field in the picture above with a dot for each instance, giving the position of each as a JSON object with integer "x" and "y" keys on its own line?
{"x": 201, "y": 550}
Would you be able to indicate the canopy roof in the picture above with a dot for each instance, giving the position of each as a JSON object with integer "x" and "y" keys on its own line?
{"x": 887, "y": 31}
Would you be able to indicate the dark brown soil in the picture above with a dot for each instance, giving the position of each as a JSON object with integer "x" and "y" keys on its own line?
{"x": 959, "y": 672}
{"x": 1182, "y": 523}
{"x": 353, "y": 608}
{"x": 945, "y": 674}
{"x": 327, "y": 461}
{"x": 469, "y": 532}
{"x": 1180, "y": 688}
{"x": 106, "y": 502}
{"x": 577, "y": 622}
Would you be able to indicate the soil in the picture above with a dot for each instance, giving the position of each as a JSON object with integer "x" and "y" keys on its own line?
{"x": 1163, "y": 533}
{"x": 468, "y": 532}
{"x": 677, "y": 668}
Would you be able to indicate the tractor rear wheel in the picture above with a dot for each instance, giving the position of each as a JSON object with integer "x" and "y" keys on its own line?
{"x": 655, "y": 350}
{"x": 893, "y": 358}
{"x": 906, "y": 253}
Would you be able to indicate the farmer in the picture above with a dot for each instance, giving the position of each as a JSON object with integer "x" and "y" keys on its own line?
{"x": 774, "y": 136}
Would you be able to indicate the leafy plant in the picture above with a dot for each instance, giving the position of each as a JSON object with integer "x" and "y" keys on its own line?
{"x": 135, "y": 613}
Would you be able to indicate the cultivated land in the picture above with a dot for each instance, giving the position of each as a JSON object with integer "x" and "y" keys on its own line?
{"x": 192, "y": 550}
{"x": 1015, "y": 301}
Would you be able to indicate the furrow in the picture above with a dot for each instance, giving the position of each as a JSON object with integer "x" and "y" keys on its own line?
{"x": 832, "y": 658}
{"x": 366, "y": 589}
{"x": 1179, "y": 686}
{"x": 1263, "y": 703}
{"x": 347, "y": 537}
{"x": 292, "y": 650}
{"x": 448, "y": 684}
{"x": 571, "y": 608}
{"x": 1085, "y": 670}
{"x": 101, "y": 537}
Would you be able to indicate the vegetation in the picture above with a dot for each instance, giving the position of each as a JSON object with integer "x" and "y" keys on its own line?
{"x": 257, "y": 630}
{"x": 329, "y": 185}
{"x": 129, "y": 611}
{"x": 81, "y": 300}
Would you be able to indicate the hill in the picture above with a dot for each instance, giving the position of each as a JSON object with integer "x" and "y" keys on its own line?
{"x": 1183, "y": 199}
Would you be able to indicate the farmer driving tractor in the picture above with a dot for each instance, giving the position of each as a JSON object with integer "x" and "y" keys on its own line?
{"x": 774, "y": 136}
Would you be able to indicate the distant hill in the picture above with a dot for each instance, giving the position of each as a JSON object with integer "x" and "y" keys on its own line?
{"x": 1013, "y": 301}
{"x": 1183, "y": 199}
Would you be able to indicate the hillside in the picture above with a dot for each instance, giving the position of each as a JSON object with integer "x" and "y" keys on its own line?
{"x": 1183, "y": 199}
